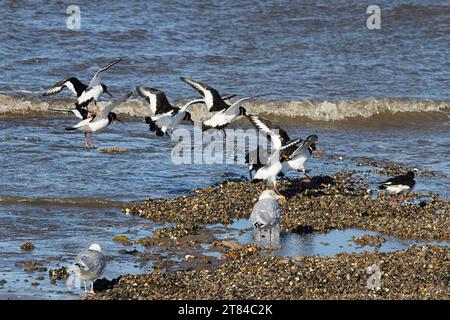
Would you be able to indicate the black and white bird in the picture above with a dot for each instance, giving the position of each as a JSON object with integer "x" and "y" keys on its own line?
{"x": 85, "y": 94}
{"x": 400, "y": 184}
{"x": 266, "y": 213}
{"x": 272, "y": 169}
{"x": 214, "y": 102}
{"x": 166, "y": 117}
{"x": 225, "y": 113}
{"x": 295, "y": 160}
{"x": 292, "y": 158}
{"x": 100, "y": 121}
{"x": 89, "y": 265}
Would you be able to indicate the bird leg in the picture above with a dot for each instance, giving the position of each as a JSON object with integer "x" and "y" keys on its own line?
{"x": 305, "y": 172}
{"x": 224, "y": 135}
{"x": 92, "y": 288}
{"x": 250, "y": 175}
{"x": 85, "y": 287}
{"x": 85, "y": 140}
{"x": 275, "y": 188}
{"x": 393, "y": 199}
{"x": 92, "y": 142}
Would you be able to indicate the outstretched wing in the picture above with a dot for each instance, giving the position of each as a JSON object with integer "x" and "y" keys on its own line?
{"x": 98, "y": 76}
{"x": 73, "y": 84}
{"x": 79, "y": 113}
{"x": 213, "y": 100}
{"x": 277, "y": 135}
{"x": 106, "y": 110}
{"x": 157, "y": 100}
{"x": 304, "y": 146}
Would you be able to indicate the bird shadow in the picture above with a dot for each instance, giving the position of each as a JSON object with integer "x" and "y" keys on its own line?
{"x": 296, "y": 186}
{"x": 105, "y": 284}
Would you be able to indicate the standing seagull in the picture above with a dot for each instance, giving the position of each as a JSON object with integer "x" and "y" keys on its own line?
{"x": 89, "y": 265}
{"x": 85, "y": 94}
{"x": 166, "y": 117}
{"x": 266, "y": 213}
{"x": 400, "y": 184}
{"x": 94, "y": 123}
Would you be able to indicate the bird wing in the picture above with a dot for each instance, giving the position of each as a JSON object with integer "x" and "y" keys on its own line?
{"x": 398, "y": 180}
{"x": 79, "y": 113}
{"x": 266, "y": 212}
{"x": 91, "y": 262}
{"x": 184, "y": 108}
{"x": 277, "y": 135}
{"x": 156, "y": 98}
{"x": 305, "y": 144}
{"x": 231, "y": 109}
{"x": 106, "y": 110}
{"x": 98, "y": 75}
{"x": 276, "y": 154}
{"x": 73, "y": 84}
{"x": 213, "y": 100}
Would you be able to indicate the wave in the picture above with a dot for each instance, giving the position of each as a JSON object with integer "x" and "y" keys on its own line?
{"x": 328, "y": 111}
{"x": 79, "y": 202}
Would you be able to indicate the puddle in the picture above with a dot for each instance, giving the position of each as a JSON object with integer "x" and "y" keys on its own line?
{"x": 316, "y": 244}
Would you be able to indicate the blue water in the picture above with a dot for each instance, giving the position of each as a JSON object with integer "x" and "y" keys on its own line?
{"x": 293, "y": 49}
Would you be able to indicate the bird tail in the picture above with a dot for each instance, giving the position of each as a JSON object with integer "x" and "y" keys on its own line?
{"x": 153, "y": 127}
{"x": 382, "y": 187}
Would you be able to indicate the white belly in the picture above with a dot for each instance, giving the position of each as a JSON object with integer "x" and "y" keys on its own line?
{"x": 98, "y": 125}
{"x": 269, "y": 173}
{"x": 398, "y": 189}
{"x": 297, "y": 164}
{"x": 93, "y": 93}
{"x": 221, "y": 119}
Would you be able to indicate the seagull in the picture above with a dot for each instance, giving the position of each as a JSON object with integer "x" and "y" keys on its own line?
{"x": 89, "y": 265}
{"x": 166, "y": 117}
{"x": 272, "y": 169}
{"x": 266, "y": 213}
{"x": 85, "y": 94}
{"x": 296, "y": 159}
{"x": 400, "y": 184}
{"x": 100, "y": 121}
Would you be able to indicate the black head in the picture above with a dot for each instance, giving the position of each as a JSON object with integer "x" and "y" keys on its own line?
{"x": 313, "y": 147}
{"x": 412, "y": 173}
{"x": 105, "y": 89}
{"x": 242, "y": 111}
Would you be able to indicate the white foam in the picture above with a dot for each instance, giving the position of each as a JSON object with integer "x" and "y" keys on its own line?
{"x": 321, "y": 111}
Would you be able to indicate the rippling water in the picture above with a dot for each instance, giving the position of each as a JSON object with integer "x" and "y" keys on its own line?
{"x": 381, "y": 94}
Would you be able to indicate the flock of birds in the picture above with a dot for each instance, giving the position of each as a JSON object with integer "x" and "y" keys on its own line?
{"x": 288, "y": 154}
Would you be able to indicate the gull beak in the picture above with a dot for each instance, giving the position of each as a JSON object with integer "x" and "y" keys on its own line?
{"x": 120, "y": 121}
{"x": 281, "y": 198}
{"x": 106, "y": 91}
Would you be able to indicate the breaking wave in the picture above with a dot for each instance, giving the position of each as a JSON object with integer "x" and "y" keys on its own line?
{"x": 314, "y": 110}
{"x": 79, "y": 202}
